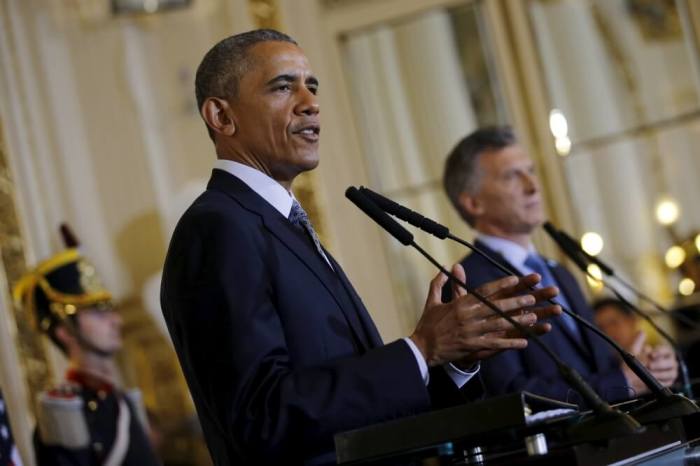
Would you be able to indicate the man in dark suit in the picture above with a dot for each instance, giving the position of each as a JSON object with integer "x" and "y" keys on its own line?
{"x": 492, "y": 183}
{"x": 278, "y": 350}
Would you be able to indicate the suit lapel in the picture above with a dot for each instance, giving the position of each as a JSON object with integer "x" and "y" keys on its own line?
{"x": 365, "y": 320}
{"x": 497, "y": 256}
{"x": 287, "y": 234}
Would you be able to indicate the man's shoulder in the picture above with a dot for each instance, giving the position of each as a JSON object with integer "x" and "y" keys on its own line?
{"x": 214, "y": 209}
{"x": 476, "y": 261}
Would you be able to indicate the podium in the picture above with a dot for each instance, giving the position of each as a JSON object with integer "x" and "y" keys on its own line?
{"x": 515, "y": 429}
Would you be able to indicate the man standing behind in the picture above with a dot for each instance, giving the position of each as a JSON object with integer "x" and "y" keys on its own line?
{"x": 278, "y": 349}
{"x": 492, "y": 183}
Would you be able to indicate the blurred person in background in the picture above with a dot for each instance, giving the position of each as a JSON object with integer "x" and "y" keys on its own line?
{"x": 621, "y": 323}
{"x": 88, "y": 419}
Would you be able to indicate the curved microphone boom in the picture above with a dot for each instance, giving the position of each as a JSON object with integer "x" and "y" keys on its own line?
{"x": 608, "y": 421}
{"x": 572, "y": 249}
{"x": 607, "y": 270}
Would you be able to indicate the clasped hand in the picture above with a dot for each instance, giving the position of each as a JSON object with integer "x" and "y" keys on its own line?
{"x": 465, "y": 330}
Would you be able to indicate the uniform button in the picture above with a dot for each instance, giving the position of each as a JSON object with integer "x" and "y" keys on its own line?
{"x": 92, "y": 405}
{"x": 97, "y": 446}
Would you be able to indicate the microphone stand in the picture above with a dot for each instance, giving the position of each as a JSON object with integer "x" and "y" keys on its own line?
{"x": 607, "y": 270}
{"x": 650, "y": 411}
{"x": 575, "y": 247}
{"x": 669, "y": 404}
{"x": 607, "y": 420}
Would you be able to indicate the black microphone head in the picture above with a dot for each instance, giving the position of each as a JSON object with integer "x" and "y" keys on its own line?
{"x": 571, "y": 252}
{"x": 378, "y": 215}
{"x": 406, "y": 214}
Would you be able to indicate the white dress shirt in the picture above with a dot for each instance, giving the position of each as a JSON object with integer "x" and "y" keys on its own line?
{"x": 514, "y": 253}
{"x": 281, "y": 199}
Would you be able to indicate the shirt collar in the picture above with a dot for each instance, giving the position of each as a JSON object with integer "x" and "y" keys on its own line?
{"x": 511, "y": 251}
{"x": 274, "y": 193}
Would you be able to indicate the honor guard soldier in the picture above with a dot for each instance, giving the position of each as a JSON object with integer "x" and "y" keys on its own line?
{"x": 88, "y": 420}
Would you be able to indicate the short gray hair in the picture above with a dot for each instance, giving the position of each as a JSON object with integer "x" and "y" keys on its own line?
{"x": 462, "y": 172}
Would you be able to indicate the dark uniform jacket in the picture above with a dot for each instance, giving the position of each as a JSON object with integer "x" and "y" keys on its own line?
{"x": 99, "y": 410}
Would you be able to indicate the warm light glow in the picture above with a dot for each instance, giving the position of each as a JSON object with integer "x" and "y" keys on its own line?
{"x": 686, "y": 287}
{"x": 697, "y": 242}
{"x": 674, "y": 256}
{"x": 594, "y": 277}
{"x": 557, "y": 124}
{"x": 667, "y": 211}
{"x": 563, "y": 145}
{"x": 592, "y": 243}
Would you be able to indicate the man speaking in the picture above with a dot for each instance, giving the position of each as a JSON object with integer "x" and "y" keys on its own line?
{"x": 278, "y": 349}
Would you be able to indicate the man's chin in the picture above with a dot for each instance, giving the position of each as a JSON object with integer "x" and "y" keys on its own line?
{"x": 307, "y": 164}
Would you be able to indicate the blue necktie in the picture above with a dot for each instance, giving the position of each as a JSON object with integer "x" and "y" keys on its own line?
{"x": 536, "y": 263}
{"x": 300, "y": 219}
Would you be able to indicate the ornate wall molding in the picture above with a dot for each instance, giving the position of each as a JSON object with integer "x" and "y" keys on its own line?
{"x": 30, "y": 349}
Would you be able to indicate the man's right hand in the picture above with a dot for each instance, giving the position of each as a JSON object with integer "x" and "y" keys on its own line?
{"x": 465, "y": 330}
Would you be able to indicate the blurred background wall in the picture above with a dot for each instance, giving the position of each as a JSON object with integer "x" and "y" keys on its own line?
{"x": 99, "y": 128}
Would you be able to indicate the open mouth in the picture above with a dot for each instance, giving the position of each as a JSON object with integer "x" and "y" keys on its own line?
{"x": 310, "y": 133}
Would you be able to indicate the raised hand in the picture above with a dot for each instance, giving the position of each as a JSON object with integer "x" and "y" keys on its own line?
{"x": 465, "y": 330}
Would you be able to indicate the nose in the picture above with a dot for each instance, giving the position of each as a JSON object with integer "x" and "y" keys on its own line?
{"x": 308, "y": 103}
{"x": 530, "y": 183}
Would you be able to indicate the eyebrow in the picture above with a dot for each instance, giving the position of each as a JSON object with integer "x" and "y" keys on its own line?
{"x": 289, "y": 78}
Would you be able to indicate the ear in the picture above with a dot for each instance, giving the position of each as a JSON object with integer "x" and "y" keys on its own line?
{"x": 218, "y": 115}
{"x": 471, "y": 204}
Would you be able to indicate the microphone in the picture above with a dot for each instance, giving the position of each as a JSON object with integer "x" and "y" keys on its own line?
{"x": 607, "y": 270}
{"x": 607, "y": 422}
{"x": 406, "y": 214}
{"x": 401, "y": 234}
{"x": 678, "y": 408}
{"x": 565, "y": 246}
{"x": 572, "y": 248}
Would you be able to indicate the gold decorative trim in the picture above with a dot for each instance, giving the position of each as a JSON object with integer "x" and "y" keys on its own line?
{"x": 30, "y": 348}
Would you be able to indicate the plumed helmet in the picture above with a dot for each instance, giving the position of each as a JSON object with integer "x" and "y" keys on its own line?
{"x": 58, "y": 288}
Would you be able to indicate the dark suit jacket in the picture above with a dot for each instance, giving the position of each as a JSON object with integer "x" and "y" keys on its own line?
{"x": 531, "y": 369}
{"x": 278, "y": 350}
